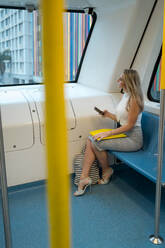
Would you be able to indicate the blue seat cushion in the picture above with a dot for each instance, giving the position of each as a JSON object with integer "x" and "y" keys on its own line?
{"x": 143, "y": 162}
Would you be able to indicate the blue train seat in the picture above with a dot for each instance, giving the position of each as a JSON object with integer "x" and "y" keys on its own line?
{"x": 145, "y": 160}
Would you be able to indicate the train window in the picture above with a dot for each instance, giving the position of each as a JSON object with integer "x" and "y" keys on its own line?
{"x": 20, "y": 45}
{"x": 154, "y": 88}
{"x": 77, "y": 30}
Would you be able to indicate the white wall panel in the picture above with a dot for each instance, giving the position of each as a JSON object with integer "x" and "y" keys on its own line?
{"x": 150, "y": 48}
{"x": 16, "y": 120}
{"x": 28, "y": 164}
{"x": 113, "y": 43}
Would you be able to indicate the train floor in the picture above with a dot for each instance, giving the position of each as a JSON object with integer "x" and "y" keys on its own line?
{"x": 117, "y": 215}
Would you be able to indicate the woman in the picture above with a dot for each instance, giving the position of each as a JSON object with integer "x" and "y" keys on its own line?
{"x": 128, "y": 114}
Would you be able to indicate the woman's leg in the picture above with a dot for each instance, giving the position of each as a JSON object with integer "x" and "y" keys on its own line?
{"x": 91, "y": 153}
{"x": 102, "y": 157}
{"x": 89, "y": 158}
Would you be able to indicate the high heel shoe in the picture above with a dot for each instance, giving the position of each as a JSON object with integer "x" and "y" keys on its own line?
{"x": 105, "y": 180}
{"x": 82, "y": 191}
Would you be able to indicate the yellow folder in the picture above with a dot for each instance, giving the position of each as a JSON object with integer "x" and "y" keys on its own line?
{"x": 122, "y": 135}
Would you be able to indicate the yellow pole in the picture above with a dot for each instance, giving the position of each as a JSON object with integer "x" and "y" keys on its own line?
{"x": 162, "y": 86}
{"x": 57, "y": 156}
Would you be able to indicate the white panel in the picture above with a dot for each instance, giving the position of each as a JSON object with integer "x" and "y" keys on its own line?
{"x": 16, "y": 121}
{"x": 113, "y": 43}
{"x": 38, "y": 96}
{"x": 71, "y": 122}
{"x": 150, "y": 47}
{"x": 84, "y": 99}
{"x": 152, "y": 107}
{"x": 26, "y": 166}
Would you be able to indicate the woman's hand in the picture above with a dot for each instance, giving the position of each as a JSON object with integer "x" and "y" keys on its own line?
{"x": 100, "y": 136}
{"x": 106, "y": 113}
{"x": 109, "y": 115}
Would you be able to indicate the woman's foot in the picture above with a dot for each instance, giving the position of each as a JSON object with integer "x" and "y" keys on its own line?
{"x": 106, "y": 176}
{"x": 83, "y": 185}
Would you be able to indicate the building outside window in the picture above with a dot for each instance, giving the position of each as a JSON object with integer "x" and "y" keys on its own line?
{"x": 13, "y": 26}
{"x": 20, "y": 27}
{"x": 21, "y": 45}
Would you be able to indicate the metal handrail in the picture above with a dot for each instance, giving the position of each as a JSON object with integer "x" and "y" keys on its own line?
{"x": 3, "y": 183}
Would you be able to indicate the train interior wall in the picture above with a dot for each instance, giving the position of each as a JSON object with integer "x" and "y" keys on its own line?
{"x": 112, "y": 46}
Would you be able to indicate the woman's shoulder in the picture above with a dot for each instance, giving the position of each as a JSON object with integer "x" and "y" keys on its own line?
{"x": 134, "y": 103}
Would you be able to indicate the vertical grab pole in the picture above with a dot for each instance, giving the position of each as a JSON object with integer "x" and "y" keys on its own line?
{"x": 56, "y": 134}
{"x": 155, "y": 238}
{"x": 3, "y": 183}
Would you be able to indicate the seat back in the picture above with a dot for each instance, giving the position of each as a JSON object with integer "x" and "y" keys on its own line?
{"x": 150, "y": 126}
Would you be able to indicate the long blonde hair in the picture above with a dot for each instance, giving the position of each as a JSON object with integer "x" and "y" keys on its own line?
{"x": 133, "y": 87}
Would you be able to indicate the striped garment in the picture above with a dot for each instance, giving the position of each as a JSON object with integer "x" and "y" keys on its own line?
{"x": 77, "y": 165}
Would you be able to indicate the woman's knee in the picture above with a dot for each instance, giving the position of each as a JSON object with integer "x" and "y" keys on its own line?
{"x": 89, "y": 143}
{"x": 94, "y": 148}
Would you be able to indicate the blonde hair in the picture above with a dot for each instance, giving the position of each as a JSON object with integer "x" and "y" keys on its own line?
{"x": 133, "y": 86}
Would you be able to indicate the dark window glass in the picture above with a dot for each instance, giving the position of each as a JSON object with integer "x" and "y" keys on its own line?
{"x": 154, "y": 89}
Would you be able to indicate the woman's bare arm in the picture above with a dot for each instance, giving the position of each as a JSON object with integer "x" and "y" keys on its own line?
{"x": 132, "y": 118}
{"x": 109, "y": 115}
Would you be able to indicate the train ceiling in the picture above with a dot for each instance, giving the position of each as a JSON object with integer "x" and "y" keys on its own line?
{"x": 19, "y": 3}
{"x": 71, "y": 4}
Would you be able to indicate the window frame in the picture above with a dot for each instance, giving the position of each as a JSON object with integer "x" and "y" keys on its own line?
{"x": 153, "y": 76}
{"x": 94, "y": 18}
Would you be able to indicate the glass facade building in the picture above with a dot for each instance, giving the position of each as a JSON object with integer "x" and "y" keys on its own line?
{"x": 19, "y": 39}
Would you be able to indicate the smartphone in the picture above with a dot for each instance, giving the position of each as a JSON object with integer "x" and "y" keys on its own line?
{"x": 99, "y": 111}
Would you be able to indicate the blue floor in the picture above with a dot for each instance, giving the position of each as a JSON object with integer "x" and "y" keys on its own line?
{"x": 117, "y": 215}
{"x": 28, "y": 213}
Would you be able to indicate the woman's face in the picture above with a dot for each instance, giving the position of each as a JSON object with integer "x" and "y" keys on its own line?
{"x": 121, "y": 83}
